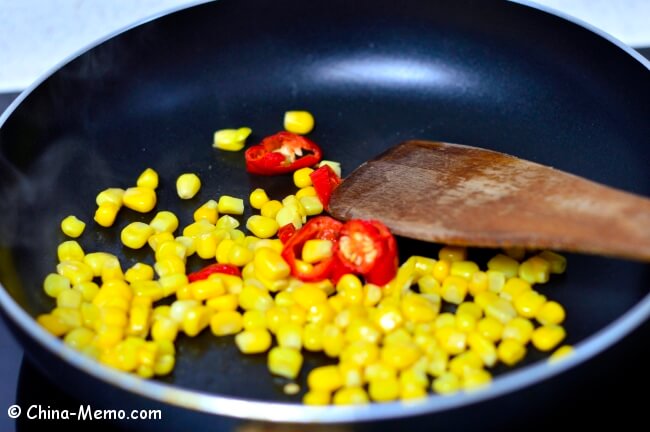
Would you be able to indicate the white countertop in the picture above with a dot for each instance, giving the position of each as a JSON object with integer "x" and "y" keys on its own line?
{"x": 36, "y": 35}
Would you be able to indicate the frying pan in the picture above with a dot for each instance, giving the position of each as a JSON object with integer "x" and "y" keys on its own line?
{"x": 493, "y": 74}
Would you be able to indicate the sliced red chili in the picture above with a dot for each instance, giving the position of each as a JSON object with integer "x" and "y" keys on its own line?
{"x": 282, "y": 153}
{"x": 211, "y": 269}
{"x": 324, "y": 180}
{"x": 286, "y": 232}
{"x": 321, "y": 227}
{"x": 369, "y": 249}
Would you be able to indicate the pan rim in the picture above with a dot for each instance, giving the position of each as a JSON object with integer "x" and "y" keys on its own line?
{"x": 294, "y": 412}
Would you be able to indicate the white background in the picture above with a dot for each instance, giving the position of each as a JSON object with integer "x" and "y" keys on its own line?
{"x": 36, "y": 35}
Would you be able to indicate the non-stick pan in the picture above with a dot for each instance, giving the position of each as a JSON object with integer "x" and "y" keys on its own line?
{"x": 493, "y": 74}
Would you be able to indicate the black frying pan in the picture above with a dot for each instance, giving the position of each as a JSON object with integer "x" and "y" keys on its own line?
{"x": 492, "y": 74}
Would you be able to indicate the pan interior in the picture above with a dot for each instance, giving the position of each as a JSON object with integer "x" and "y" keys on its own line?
{"x": 505, "y": 78}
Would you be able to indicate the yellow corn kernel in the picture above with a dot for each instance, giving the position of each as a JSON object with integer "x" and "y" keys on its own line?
{"x": 158, "y": 239}
{"x": 429, "y": 285}
{"x": 108, "y": 336}
{"x": 164, "y": 329}
{"x": 187, "y": 185}
{"x": 226, "y": 323}
{"x": 513, "y": 287}
{"x": 227, "y": 222}
{"x": 169, "y": 265}
{"x": 511, "y": 352}
{"x": 188, "y": 243}
{"x": 223, "y": 303}
{"x": 208, "y": 212}
{"x": 387, "y": 317}
{"x": 546, "y": 337}
{"x": 478, "y": 283}
{"x": 464, "y": 269}
{"x": 106, "y": 213}
{"x": 87, "y": 289}
{"x": 253, "y": 341}
{"x": 441, "y": 270}
{"x": 452, "y": 253}
{"x": 72, "y": 227}
{"x": 96, "y": 261}
{"x": 148, "y": 179}
{"x": 164, "y": 221}
{"x": 308, "y": 191}
{"x": 446, "y": 384}
{"x": 271, "y": 208}
{"x": 270, "y": 265}
{"x": 53, "y": 324}
{"x": 529, "y": 303}
{"x": 360, "y": 353}
{"x": 419, "y": 309}
{"x": 312, "y": 337}
{"x": 262, "y": 226}
{"x": 496, "y": 281}
{"x": 196, "y": 319}
{"x": 136, "y": 234}
{"x": 254, "y": 319}
{"x": 464, "y": 362}
{"x": 325, "y": 378}
{"x": 139, "y": 271}
{"x": 500, "y": 309}
{"x": 55, "y": 283}
{"x": 318, "y": 313}
{"x": 206, "y": 245}
{"x": 287, "y": 215}
{"x": 550, "y": 313}
{"x": 316, "y": 250}
{"x": 333, "y": 340}
{"x": 557, "y": 263}
{"x": 285, "y": 362}
{"x": 90, "y": 315}
{"x": 231, "y": 139}
{"x": 171, "y": 249}
{"x": 316, "y": 398}
{"x": 207, "y": 288}
{"x": 258, "y": 198}
{"x": 164, "y": 364}
{"x": 519, "y": 329}
{"x": 234, "y": 284}
{"x": 379, "y": 371}
{"x": 238, "y": 236}
{"x": 111, "y": 195}
{"x": 476, "y": 379}
{"x": 299, "y": 122}
{"x": 535, "y": 270}
{"x": 483, "y": 298}
{"x": 483, "y": 347}
{"x": 202, "y": 226}
{"x": 301, "y": 177}
{"x": 504, "y": 264}
{"x": 559, "y": 354}
{"x": 351, "y": 374}
{"x": 384, "y": 390}
{"x": 240, "y": 255}
{"x": 71, "y": 316}
{"x": 470, "y": 308}
{"x": 79, "y": 338}
{"x": 148, "y": 288}
{"x": 309, "y": 295}
{"x": 75, "y": 271}
{"x": 465, "y": 322}
{"x": 452, "y": 340}
{"x": 255, "y": 298}
{"x": 371, "y": 294}
{"x": 336, "y": 166}
{"x": 140, "y": 316}
{"x": 400, "y": 355}
{"x": 312, "y": 205}
{"x": 230, "y": 205}
{"x": 222, "y": 253}
{"x": 454, "y": 289}
{"x": 140, "y": 199}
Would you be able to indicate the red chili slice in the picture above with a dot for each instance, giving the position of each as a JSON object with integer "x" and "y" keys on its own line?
{"x": 286, "y": 232}
{"x": 282, "y": 153}
{"x": 325, "y": 180}
{"x": 323, "y": 228}
{"x": 211, "y": 269}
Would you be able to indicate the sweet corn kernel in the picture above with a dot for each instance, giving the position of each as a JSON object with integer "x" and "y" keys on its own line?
{"x": 110, "y": 195}
{"x": 529, "y": 303}
{"x": 106, "y": 213}
{"x": 240, "y": 255}
{"x": 561, "y": 353}
{"x": 305, "y": 192}
{"x": 226, "y": 323}
{"x": 164, "y": 329}
{"x": 148, "y": 179}
{"x": 72, "y": 227}
{"x": 441, "y": 270}
{"x": 158, "y": 239}
{"x": 75, "y": 271}
{"x": 139, "y": 271}
{"x": 384, "y": 390}
{"x": 446, "y": 384}
{"x": 504, "y": 264}
{"x": 464, "y": 269}
{"x": 140, "y": 199}
{"x": 96, "y": 261}
{"x": 258, "y": 198}
{"x": 207, "y": 288}
{"x": 53, "y": 324}
{"x": 222, "y": 303}
{"x": 255, "y": 298}
{"x": 230, "y": 205}
{"x": 483, "y": 347}
{"x": 231, "y": 139}
{"x": 254, "y": 319}
{"x": 171, "y": 249}
{"x": 519, "y": 329}
{"x": 325, "y": 378}
{"x": 452, "y": 340}
{"x": 312, "y": 205}
{"x": 262, "y": 226}
{"x": 287, "y": 215}
{"x": 55, "y": 283}
{"x": 513, "y": 287}
{"x": 316, "y": 398}
{"x": 465, "y": 322}
{"x": 79, "y": 338}
{"x": 312, "y": 337}
{"x": 164, "y": 221}
{"x": 301, "y": 177}
{"x": 454, "y": 289}
{"x": 271, "y": 208}
{"x": 550, "y": 313}
{"x": 169, "y": 265}
{"x": 511, "y": 352}
{"x": 333, "y": 340}
{"x": 557, "y": 263}
{"x": 419, "y": 309}
{"x": 350, "y": 396}
{"x": 196, "y": 319}
{"x": 136, "y": 234}
{"x": 187, "y": 185}
{"x": 88, "y": 290}
{"x": 400, "y": 355}
{"x": 253, "y": 341}
{"x": 476, "y": 379}
{"x": 465, "y": 361}
{"x": 452, "y": 253}
{"x": 478, "y": 283}
{"x": 285, "y": 362}
{"x": 270, "y": 265}
{"x": 500, "y": 309}
{"x": 483, "y": 298}
{"x": 148, "y": 288}
{"x": 546, "y": 337}
{"x": 298, "y": 122}
{"x": 71, "y": 316}
{"x": 535, "y": 270}
{"x": 496, "y": 281}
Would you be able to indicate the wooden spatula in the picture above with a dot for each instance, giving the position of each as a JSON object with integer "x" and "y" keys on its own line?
{"x": 463, "y": 195}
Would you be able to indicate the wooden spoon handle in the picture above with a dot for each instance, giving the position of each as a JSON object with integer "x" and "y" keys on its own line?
{"x": 464, "y": 195}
